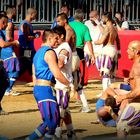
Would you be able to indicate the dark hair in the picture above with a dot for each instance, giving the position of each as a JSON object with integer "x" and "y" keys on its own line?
{"x": 119, "y": 13}
{"x": 108, "y": 15}
{"x": 66, "y": 5}
{"x": 63, "y": 16}
{"x": 60, "y": 30}
{"x": 3, "y": 16}
{"x": 110, "y": 101}
{"x": 2, "y": 12}
{"x": 46, "y": 33}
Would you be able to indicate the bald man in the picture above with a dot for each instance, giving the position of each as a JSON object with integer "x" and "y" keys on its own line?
{"x": 26, "y": 38}
{"x": 130, "y": 116}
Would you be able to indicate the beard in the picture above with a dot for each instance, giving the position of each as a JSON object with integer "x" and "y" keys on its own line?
{"x": 104, "y": 22}
{"x": 93, "y": 23}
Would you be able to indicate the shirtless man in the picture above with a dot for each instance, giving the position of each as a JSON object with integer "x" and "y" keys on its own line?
{"x": 129, "y": 118}
{"x": 108, "y": 61}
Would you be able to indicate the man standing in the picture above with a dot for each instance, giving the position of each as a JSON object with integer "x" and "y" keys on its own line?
{"x": 26, "y": 38}
{"x": 82, "y": 36}
{"x": 3, "y": 75}
{"x": 45, "y": 70}
{"x": 109, "y": 55}
{"x": 11, "y": 63}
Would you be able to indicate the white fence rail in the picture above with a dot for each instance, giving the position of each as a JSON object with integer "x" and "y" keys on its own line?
{"x": 48, "y": 9}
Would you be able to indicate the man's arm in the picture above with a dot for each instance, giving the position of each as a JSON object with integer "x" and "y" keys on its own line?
{"x": 104, "y": 37}
{"x": 4, "y": 44}
{"x": 63, "y": 58}
{"x": 9, "y": 32}
{"x": 50, "y": 58}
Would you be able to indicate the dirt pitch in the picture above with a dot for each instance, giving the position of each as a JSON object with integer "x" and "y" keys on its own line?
{"x": 24, "y": 116}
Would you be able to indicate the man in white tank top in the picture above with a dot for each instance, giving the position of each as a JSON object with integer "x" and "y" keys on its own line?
{"x": 64, "y": 55}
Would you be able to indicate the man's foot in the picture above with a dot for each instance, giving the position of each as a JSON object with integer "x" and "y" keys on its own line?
{"x": 86, "y": 110}
{"x": 71, "y": 135}
{"x": 58, "y": 133}
{"x": 78, "y": 103}
{"x": 7, "y": 93}
{"x": 2, "y": 112}
{"x": 14, "y": 93}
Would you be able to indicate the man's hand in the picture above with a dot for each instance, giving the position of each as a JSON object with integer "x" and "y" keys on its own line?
{"x": 16, "y": 43}
{"x": 96, "y": 21}
{"x": 93, "y": 59}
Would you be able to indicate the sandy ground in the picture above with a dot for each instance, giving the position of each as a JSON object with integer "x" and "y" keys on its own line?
{"x": 24, "y": 116}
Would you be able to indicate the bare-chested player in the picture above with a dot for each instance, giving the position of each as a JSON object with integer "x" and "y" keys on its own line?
{"x": 108, "y": 61}
{"x": 130, "y": 117}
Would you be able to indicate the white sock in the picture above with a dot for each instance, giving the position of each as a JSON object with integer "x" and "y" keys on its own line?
{"x": 83, "y": 98}
{"x": 105, "y": 83}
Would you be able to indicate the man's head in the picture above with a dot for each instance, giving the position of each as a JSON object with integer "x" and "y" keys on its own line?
{"x": 61, "y": 32}
{"x": 11, "y": 11}
{"x": 133, "y": 50}
{"x": 93, "y": 15}
{"x": 50, "y": 38}
{"x": 64, "y": 9}
{"x": 119, "y": 16}
{"x": 62, "y": 19}
{"x": 106, "y": 16}
{"x": 79, "y": 15}
{"x": 32, "y": 13}
{"x": 3, "y": 21}
{"x": 110, "y": 101}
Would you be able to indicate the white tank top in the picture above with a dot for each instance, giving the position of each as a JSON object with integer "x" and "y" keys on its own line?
{"x": 67, "y": 68}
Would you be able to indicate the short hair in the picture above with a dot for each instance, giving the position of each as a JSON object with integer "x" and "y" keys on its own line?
{"x": 46, "y": 33}
{"x": 31, "y": 10}
{"x": 108, "y": 15}
{"x": 79, "y": 14}
{"x": 110, "y": 101}
{"x": 60, "y": 30}
{"x": 120, "y": 13}
{"x": 63, "y": 16}
{"x": 9, "y": 10}
{"x": 2, "y": 12}
{"x": 3, "y": 16}
{"x": 65, "y": 5}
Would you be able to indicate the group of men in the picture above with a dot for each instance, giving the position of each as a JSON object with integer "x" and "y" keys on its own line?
{"x": 56, "y": 69}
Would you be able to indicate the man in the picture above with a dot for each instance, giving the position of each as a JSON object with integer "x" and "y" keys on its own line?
{"x": 26, "y": 38}
{"x": 82, "y": 36}
{"x": 129, "y": 118}
{"x": 109, "y": 54}
{"x": 95, "y": 33}
{"x": 11, "y": 63}
{"x": 3, "y": 76}
{"x": 64, "y": 9}
{"x": 45, "y": 70}
{"x": 62, "y": 20}
{"x": 120, "y": 23}
{"x": 64, "y": 54}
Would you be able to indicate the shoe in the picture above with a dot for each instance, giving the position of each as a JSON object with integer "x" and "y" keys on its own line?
{"x": 71, "y": 135}
{"x": 86, "y": 110}
{"x": 78, "y": 103}
{"x": 99, "y": 95}
{"x": 58, "y": 132}
{"x": 14, "y": 93}
{"x": 7, "y": 93}
{"x": 2, "y": 112}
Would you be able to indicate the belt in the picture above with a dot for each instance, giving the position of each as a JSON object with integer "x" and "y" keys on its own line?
{"x": 41, "y": 82}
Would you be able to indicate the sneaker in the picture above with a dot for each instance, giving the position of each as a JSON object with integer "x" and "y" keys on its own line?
{"x": 58, "y": 132}
{"x": 2, "y": 112}
{"x": 14, "y": 93}
{"x": 7, "y": 93}
{"x": 71, "y": 135}
{"x": 78, "y": 103}
{"x": 86, "y": 110}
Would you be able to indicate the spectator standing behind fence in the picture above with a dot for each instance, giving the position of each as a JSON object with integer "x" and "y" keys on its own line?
{"x": 121, "y": 24}
{"x": 3, "y": 76}
{"x": 26, "y": 38}
{"x": 82, "y": 36}
{"x": 64, "y": 9}
{"x": 11, "y": 63}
